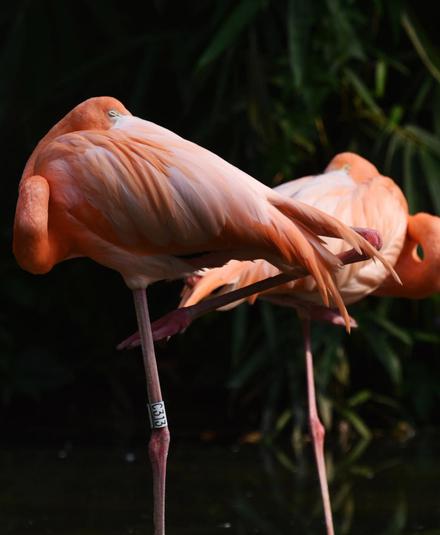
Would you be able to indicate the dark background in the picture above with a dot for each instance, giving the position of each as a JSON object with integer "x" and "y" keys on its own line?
{"x": 277, "y": 88}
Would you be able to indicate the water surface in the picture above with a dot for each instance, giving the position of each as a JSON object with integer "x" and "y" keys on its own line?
{"x": 384, "y": 488}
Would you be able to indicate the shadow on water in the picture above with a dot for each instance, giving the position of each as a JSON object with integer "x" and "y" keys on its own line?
{"x": 381, "y": 487}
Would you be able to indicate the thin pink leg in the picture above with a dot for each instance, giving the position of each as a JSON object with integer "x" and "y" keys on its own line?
{"x": 316, "y": 427}
{"x": 160, "y": 435}
{"x": 178, "y": 320}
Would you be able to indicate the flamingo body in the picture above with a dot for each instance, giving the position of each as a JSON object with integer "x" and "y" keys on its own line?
{"x": 136, "y": 197}
{"x": 352, "y": 190}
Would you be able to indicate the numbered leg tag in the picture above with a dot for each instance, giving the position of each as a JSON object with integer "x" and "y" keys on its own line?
{"x": 157, "y": 414}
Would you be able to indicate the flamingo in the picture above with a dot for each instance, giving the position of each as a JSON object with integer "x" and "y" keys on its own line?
{"x": 139, "y": 199}
{"x": 353, "y": 190}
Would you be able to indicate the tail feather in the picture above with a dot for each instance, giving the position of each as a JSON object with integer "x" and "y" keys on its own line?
{"x": 321, "y": 223}
{"x": 324, "y": 224}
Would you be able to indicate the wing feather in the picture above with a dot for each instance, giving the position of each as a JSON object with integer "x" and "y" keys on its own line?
{"x": 142, "y": 187}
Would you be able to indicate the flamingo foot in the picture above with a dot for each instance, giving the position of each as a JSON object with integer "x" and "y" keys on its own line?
{"x": 330, "y": 315}
{"x": 172, "y": 323}
{"x": 372, "y": 236}
{"x": 312, "y": 311}
{"x": 130, "y": 343}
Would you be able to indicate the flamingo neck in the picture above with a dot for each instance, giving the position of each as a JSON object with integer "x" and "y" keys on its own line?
{"x": 420, "y": 276}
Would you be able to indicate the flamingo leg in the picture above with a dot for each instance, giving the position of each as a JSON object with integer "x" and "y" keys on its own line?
{"x": 178, "y": 320}
{"x": 316, "y": 427}
{"x": 160, "y": 435}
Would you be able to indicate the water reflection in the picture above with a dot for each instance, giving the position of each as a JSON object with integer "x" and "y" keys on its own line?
{"x": 381, "y": 487}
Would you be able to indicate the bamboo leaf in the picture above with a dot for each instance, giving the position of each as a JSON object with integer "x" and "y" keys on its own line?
{"x": 430, "y": 338}
{"x": 424, "y": 138}
{"x": 247, "y": 370}
{"x": 431, "y": 169}
{"x": 359, "y": 398}
{"x": 282, "y": 420}
{"x": 422, "y": 95}
{"x": 241, "y": 16}
{"x": 427, "y": 53}
{"x": 393, "y": 329}
{"x": 436, "y": 111}
{"x": 362, "y": 91}
{"x": 381, "y": 77}
{"x": 356, "y": 422}
{"x": 299, "y": 21}
{"x": 385, "y": 400}
{"x": 408, "y": 180}
{"x": 393, "y": 145}
{"x": 386, "y": 356}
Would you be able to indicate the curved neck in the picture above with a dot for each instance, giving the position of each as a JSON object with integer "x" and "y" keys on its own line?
{"x": 35, "y": 249}
{"x": 420, "y": 276}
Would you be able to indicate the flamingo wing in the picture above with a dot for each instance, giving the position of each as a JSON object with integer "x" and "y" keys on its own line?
{"x": 148, "y": 191}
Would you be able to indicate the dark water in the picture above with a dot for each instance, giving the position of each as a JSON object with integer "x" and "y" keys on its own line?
{"x": 382, "y": 488}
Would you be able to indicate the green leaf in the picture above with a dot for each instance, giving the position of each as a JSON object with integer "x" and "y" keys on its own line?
{"x": 408, "y": 178}
{"x": 385, "y": 400}
{"x": 356, "y": 422}
{"x": 332, "y": 351}
{"x": 424, "y": 138}
{"x": 386, "y": 355}
{"x": 287, "y": 463}
{"x": 421, "y": 96}
{"x": 393, "y": 145}
{"x": 347, "y": 45}
{"x": 362, "y": 91}
{"x": 361, "y": 470}
{"x": 381, "y": 77}
{"x": 282, "y": 420}
{"x": 429, "y": 337}
{"x": 251, "y": 365}
{"x": 299, "y": 22}
{"x": 393, "y": 329}
{"x": 359, "y": 398}
{"x": 241, "y": 16}
{"x": 436, "y": 111}
{"x": 431, "y": 169}
{"x": 427, "y": 53}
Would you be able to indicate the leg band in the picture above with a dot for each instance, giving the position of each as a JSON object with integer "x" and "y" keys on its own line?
{"x": 157, "y": 414}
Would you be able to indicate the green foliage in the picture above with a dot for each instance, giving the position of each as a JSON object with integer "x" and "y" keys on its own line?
{"x": 276, "y": 87}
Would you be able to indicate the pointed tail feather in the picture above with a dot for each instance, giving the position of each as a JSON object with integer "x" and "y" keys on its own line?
{"x": 326, "y": 225}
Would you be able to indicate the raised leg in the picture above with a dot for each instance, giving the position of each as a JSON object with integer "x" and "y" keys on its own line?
{"x": 178, "y": 320}
{"x": 160, "y": 436}
{"x": 316, "y": 428}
